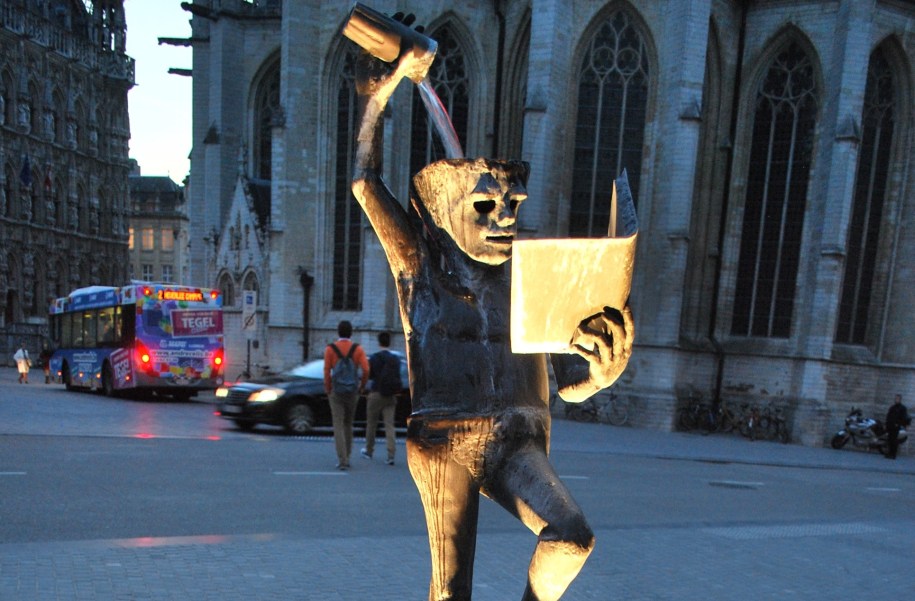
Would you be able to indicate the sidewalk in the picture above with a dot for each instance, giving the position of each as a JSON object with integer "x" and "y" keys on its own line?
{"x": 720, "y": 448}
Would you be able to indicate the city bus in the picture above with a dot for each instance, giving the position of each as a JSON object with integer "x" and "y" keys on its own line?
{"x": 160, "y": 338}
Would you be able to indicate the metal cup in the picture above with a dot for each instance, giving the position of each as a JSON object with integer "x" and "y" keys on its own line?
{"x": 386, "y": 39}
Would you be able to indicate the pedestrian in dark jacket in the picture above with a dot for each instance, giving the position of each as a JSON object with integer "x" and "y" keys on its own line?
{"x": 896, "y": 419}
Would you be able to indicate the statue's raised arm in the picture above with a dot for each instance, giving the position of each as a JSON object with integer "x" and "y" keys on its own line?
{"x": 376, "y": 81}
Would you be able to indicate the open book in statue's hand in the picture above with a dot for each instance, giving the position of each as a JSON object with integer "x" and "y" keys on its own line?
{"x": 557, "y": 283}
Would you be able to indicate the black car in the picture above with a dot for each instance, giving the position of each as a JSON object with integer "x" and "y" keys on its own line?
{"x": 296, "y": 400}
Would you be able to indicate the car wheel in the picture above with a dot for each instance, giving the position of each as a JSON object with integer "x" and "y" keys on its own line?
{"x": 244, "y": 425}
{"x": 299, "y": 419}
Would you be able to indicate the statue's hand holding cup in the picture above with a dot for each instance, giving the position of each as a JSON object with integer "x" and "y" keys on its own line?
{"x": 390, "y": 39}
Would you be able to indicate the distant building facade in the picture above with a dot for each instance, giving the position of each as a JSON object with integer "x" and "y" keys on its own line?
{"x": 767, "y": 144}
{"x": 158, "y": 230}
{"x": 64, "y": 129}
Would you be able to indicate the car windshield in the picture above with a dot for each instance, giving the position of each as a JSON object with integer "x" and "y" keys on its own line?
{"x": 314, "y": 370}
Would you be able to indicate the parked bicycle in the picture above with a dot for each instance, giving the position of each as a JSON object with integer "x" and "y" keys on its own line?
{"x": 755, "y": 424}
{"x": 614, "y": 411}
{"x": 778, "y": 425}
{"x": 696, "y": 415}
{"x": 258, "y": 370}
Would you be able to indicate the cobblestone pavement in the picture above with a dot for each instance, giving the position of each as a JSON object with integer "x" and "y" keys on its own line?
{"x": 657, "y": 560}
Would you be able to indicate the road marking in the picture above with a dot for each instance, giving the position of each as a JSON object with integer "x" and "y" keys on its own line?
{"x": 880, "y": 489}
{"x": 309, "y": 473}
{"x": 794, "y": 531}
{"x": 574, "y": 477}
{"x": 735, "y": 484}
{"x": 12, "y": 473}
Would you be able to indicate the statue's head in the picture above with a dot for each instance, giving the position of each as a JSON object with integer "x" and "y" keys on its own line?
{"x": 475, "y": 201}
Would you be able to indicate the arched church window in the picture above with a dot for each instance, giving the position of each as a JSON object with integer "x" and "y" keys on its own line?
{"x": 781, "y": 151}
{"x": 610, "y": 128}
{"x": 227, "y": 290}
{"x": 266, "y": 109}
{"x": 449, "y": 78}
{"x": 250, "y": 283}
{"x": 347, "y": 214}
{"x": 877, "y": 128}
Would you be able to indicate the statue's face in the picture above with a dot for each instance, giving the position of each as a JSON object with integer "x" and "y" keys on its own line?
{"x": 476, "y": 203}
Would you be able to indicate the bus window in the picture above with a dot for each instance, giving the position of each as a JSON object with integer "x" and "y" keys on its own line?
{"x": 89, "y": 329}
{"x": 66, "y": 330}
{"x": 128, "y": 323}
{"x": 106, "y": 335}
{"x": 54, "y": 330}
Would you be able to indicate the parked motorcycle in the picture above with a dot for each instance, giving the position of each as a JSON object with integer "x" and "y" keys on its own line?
{"x": 864, "y": 432}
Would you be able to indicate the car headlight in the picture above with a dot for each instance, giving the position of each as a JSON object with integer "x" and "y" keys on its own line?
{"x": 266, "y": 395}
{"x": 222, "y": 392}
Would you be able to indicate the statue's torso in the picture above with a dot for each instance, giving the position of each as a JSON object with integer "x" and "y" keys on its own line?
{"x": 460, "y": 350}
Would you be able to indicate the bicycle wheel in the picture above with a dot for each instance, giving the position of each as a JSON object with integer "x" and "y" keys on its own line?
{"x": 617, "y": 413}
{"x": 686, "y": 421}
{"x": 727, "y": 422}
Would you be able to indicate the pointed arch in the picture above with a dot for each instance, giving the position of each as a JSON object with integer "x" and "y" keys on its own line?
{"x": 345, "y": 214}
{"x": 882, "y": 121}
{"x": 614, "y": 71}
{"x": 786, "y": 101}
{"x": 266, "y": 111}
{"x": 511, "y": 135}
{"x": 226, "y": 285}
{"x": 451, "y": 77}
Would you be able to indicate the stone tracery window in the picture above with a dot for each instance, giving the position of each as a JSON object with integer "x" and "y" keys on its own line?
{"x": 613, "y": 86}
{"x": 227, "y": 289}
{"x": 781, "y": 154}
{"x": 347, "y": 214}
{"x": 266, "y": 111}
{"x": 451, "y": 82}
{"x": 878, "y": 124}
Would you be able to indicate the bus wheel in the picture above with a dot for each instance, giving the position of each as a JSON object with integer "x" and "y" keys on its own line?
{"x": 107, "y": 381}
{"x": 68, "y": 380}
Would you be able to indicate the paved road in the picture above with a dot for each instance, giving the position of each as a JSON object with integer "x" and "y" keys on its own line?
{"x": 114, "y": 499}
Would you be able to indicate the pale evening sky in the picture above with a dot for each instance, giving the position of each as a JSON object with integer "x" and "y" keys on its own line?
{"x": 159, "y": 104}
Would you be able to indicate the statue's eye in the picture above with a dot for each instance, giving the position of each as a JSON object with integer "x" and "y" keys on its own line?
{"x": 484, "y": 206}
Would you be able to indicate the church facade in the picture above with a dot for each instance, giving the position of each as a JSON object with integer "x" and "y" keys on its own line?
{"x": 767, "y": 144}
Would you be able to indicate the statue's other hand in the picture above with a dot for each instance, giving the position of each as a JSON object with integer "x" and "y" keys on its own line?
{"x": 605, "y": 340}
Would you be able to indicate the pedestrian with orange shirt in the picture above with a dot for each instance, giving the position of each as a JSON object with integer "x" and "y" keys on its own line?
{"x": 346, "y": 372}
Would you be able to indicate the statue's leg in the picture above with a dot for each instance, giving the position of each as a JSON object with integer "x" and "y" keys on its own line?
{"x": 451, "y": 501}
{"x": 527, "y": 486}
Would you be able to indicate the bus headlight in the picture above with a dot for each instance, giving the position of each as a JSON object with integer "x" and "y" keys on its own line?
{"x": 266, "y": 395}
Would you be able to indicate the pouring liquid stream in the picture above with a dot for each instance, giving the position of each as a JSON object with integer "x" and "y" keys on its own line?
{"x": 440, "y": 120}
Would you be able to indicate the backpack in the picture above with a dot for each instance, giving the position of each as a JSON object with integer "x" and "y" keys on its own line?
{"x": 343, "y": 376}
{"x": 387, "y": 380}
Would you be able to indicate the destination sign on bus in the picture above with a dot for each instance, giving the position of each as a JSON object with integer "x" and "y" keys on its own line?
{"x": 180, "y": 295}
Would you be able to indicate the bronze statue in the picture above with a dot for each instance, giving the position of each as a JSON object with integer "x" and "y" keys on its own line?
{"x": 480, "y": 420}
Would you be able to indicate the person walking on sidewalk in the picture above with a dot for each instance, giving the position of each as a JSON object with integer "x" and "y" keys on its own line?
{"x": 343, "y": 360}
{"x": 384, "y": 384}
{"x": 896, "y": 419}
{"x": 23, "y": 363}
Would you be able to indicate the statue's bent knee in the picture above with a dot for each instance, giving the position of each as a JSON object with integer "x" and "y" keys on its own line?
{"x": 570, "y": 529}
